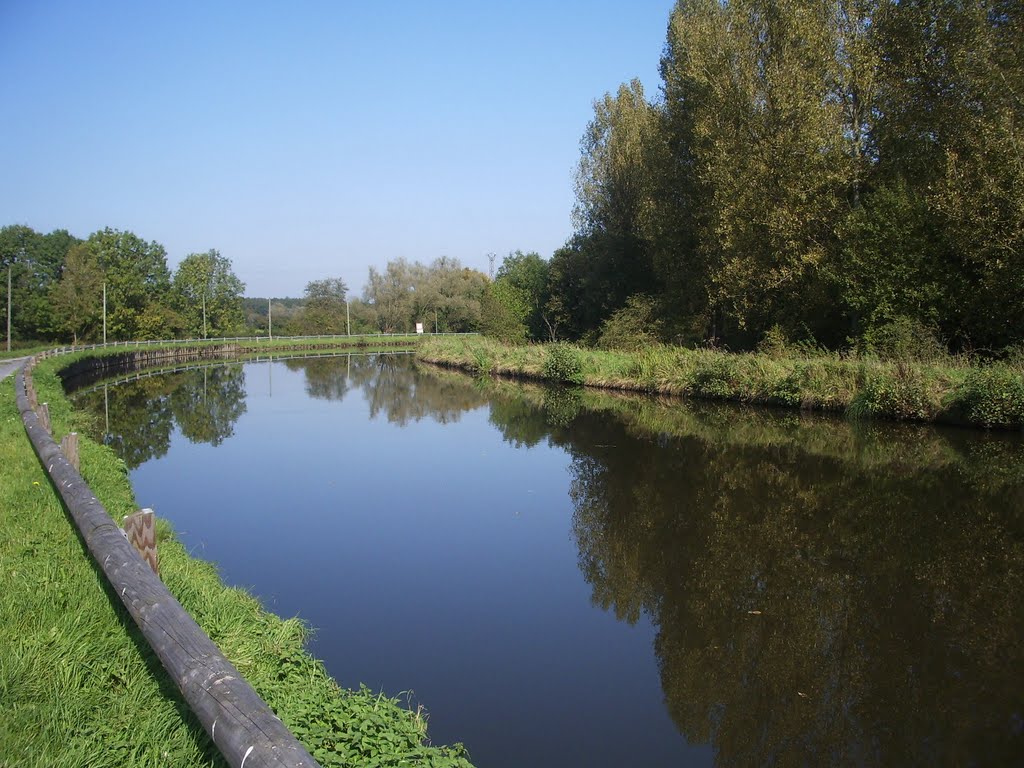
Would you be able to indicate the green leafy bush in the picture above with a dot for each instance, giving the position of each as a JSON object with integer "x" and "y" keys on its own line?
{"x": 905, "y": 339}
{"x": 563, "y": 363}
{"x": 633, "y": 327}
{"x": 992, "y": 396}
{"x": 716, "y": 377}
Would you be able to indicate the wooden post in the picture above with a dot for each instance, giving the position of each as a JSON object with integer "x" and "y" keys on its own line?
{"x": 69, "y": 447}
{"x": 44, "y": 416}
{"x": 141, "y": 532}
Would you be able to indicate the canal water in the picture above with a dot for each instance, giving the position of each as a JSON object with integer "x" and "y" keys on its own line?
{"x": 566, "y": 577}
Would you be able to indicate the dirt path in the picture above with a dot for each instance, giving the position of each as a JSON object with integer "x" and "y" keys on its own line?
{"x": 7, "y": 367}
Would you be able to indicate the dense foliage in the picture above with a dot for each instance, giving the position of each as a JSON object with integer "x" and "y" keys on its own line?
{"x": 59, "y": 283}
{"x": 825, "y": 169}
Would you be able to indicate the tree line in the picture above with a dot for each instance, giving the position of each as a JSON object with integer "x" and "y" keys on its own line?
{"x": 59, "y": 285}
{"x": 822, "y": 170}
{"x": 830, "y": 172}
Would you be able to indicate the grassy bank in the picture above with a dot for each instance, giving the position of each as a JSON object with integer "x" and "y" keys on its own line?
{"x": 79, "y": 685}
{"x": 991, "y": 460}
{"x": 952, "y": 391}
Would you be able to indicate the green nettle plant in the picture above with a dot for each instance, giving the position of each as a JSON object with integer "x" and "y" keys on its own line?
{"x": 563, "y": 363}
{"x": 993, "y": 396}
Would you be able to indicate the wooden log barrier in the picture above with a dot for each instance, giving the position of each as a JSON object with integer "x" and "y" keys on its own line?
{"x": 240, "y": 723}
{"x": 44, "y": 416}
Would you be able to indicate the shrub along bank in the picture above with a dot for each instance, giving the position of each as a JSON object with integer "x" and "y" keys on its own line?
{"x": 951, "y": 390}
{"x": 78, "y": 683}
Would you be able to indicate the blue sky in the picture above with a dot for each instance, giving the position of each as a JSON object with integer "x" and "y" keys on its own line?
{"x": 306, "y": 140}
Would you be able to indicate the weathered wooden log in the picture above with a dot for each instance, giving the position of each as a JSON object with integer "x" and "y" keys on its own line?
{"x": 140, "y": 529}
{"x": 240, "y": 723}
{"x": 69, "y": 447}
{"x": 44, "y": 417}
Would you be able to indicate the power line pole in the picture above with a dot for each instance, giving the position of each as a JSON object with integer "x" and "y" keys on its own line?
{"x": 348, "y": 319}
{"x": 270, "y": 319}
{"x": 9, "y": 307}
{"x": 104, "y": 312}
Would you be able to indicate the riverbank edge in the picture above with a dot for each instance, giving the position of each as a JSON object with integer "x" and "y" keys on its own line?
{"x": 338, "y": 726}
{"x": 988, "y": 396}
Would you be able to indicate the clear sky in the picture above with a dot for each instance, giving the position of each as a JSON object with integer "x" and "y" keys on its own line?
{"x": 311, "y": 139}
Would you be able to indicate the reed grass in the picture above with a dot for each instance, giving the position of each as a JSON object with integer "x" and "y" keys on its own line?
{"x": 952, "y": 390}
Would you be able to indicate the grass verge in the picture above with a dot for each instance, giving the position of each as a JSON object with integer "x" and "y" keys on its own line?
{"x": 956, "y": 392}
{"x": 79, "y": 685}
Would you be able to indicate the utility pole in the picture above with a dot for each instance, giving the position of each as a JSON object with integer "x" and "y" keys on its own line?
{"x": 270, "y": 319}
{"x": 104, "y": 313}
{"x": 9, "y": 307}
{"x": 348, "y": 319}
{"x": 204, "y": 314}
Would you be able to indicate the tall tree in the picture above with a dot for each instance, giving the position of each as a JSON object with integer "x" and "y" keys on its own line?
{"x": 35, "y": 262}
{"x": 951, "y": 98}
{"x": 137, "y": 280}
{"x": 748, "y": 82}
{"x": 407, "y": 293}
{"x": 77, "y": 299}
{"x": 526, "y": 275}
{"x": 324, "y": 310}
{"x": 208, "y": 295}
{"x": 447, "y": 298}
{"x": 391, "y": 294}
{"x": 613, "y": 205}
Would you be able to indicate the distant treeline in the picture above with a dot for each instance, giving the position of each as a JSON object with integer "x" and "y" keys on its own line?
{"x": 820, "y": 170}
{"x": 59, "y": 284}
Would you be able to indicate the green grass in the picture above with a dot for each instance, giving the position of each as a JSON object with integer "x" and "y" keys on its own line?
{"x": 79, "y": 685}
{"x": 952, "y": 390}
{"x": 18, "y": 351}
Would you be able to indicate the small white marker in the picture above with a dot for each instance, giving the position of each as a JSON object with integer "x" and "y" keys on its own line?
{"x": 250, "y": 749}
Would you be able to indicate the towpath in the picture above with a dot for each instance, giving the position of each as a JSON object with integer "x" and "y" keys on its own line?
{"x": 7, "y": 367}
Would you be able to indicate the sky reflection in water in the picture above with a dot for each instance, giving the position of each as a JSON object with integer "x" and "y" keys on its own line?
{"x": 572, "y": 578}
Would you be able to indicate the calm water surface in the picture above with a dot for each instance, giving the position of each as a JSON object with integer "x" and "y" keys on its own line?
{"x": 571, "y": 578}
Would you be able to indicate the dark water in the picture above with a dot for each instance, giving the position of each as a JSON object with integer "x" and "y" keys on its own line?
{"x": 571, "y": 578}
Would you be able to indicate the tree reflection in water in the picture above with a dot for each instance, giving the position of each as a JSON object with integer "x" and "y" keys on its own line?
{"x": 824, "y": 592}
{"x": 204, "y": 404}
